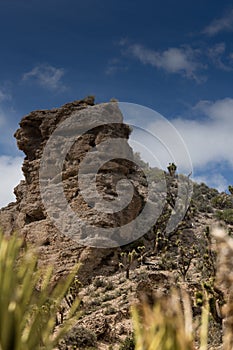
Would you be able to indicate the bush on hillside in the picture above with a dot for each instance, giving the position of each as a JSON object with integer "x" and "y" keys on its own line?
{"x": 225, "y": 215}
{"x": 222, "y": 201}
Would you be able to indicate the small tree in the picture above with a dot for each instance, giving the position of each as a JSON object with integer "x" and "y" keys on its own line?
{"x": 230, "y": 188}
{"x": 185, "y": 258}
{"x": 128, "y": 259}
{"x": 142, "y": 254}
{"x": 172, "y": 169}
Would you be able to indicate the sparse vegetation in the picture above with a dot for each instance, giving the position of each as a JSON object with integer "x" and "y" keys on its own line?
{"x": 225, "y": 215}
{"x": 222, "y": 201}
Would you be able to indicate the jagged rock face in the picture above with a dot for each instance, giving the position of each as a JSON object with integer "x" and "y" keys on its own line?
{"x": 30, "y": 217}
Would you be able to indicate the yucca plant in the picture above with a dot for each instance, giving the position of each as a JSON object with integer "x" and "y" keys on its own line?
{"x": 128, "y": 259}
{"x": 168, "y": 325}
{"x": 28, "y": 304}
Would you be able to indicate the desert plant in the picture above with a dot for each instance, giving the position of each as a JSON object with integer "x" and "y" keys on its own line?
{"x": 99, "y": 282}
{"x": 128, "y": 259}
{"x": 206, "y": 262}
{"x": 28, "y": 306}
{"x": 172, "y": 169}
{"x": 222, "y": 201}
{"x": 225, "y": 215}
{"x": 185, "y": 258}
{"x": 128, "y": 344}
{"x": 142, "y": 253}
{"x": 73, "y": 291}
{"x": 230, "y": 188}
{"x": 78, "y": 337}
{"x": 202, "y": 197}
{"x": 107, "y": 297}
{"x": 110, "y": 311}
{"x": 168, "y": 324}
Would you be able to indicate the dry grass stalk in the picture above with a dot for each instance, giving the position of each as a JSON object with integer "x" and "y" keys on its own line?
{"x": 224, "y": 278}
{"x": 165, "y": 326}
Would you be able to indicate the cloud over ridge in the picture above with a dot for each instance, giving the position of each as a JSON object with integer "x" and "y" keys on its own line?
{"x": 207, "y": 137}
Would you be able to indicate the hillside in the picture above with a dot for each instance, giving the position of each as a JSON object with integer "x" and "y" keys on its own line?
{"x": 187, "y": 259}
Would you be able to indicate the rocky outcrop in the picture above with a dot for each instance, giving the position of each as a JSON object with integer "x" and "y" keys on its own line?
{"x": 60, "y": 241}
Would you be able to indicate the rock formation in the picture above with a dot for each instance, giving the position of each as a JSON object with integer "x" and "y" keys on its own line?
{"x": 29, "y": 216}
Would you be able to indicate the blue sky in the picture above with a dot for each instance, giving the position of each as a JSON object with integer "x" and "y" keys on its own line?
{"x": 175, "y": 57}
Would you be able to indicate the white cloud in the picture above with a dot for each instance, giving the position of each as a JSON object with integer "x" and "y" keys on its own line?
{"x": 209, "y": 140}
{"x": 173, "y": 60}
{"x": 183, "y": 60}
{"x": 219, "y": 111}
{"x": 216, "y": 55}
{"x": 46, "y": 76}
{"x": 224, "y": 23}
{"x": 10, "y": 159}
{"x": 10, "y": 168}
{"x": 214, "y": 180}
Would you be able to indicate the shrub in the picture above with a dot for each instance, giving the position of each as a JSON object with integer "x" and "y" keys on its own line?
{"x": 128, "y": 344}
{"x": 110, "y": 311}
{"x": 202, "y": 196}
{"x": 109, "y": 286}
{"x": 107, "y": 297}
{"x": 225, "y": 215}
{"x": 230, "y": 188}
{"x": 99, "y": 282}
{"x": 171, "y": 169}
{"x": 78, "y": 337}
{"x": 222, "y": 201}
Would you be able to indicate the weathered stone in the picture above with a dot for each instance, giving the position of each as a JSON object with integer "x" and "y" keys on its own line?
{"x": 29, "y": 216}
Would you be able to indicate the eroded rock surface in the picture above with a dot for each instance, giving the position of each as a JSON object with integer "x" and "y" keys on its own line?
{"x": 94, "y": 125}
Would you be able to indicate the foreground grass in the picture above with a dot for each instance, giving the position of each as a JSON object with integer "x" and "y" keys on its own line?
{"x": 168, "y": 325}
{"x": 28, "y": 307}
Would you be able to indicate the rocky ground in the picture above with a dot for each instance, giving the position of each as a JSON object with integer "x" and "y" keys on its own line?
{"x": 106, "y": 300}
